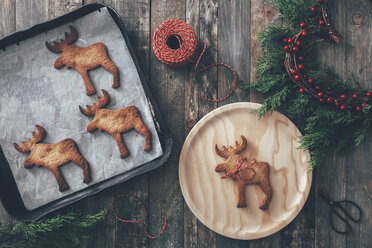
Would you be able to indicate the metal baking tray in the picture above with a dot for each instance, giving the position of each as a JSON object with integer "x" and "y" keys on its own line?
{"x": 9, "y": 194}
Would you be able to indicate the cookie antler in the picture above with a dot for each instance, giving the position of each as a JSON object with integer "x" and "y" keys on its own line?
{"x": 223, "y": 153}
{"x": 240, "y": 147}
{"x": 101, "y": 102}
{"x": 69, "y": 39}
{"x": 37, "y": 137}
{"x": 226, "y": 152}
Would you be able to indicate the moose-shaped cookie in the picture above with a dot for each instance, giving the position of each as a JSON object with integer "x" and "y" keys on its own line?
{"x": 116, "y": 122}
{"x": 52, "y": 156}
{"x": 244, "y": 172}
{"x": 83, "y": 59}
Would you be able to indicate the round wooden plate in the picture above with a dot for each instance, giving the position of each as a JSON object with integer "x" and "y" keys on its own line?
{"x": 274, "y": 139}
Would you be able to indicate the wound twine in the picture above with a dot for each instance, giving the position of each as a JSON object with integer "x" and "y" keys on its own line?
{"x": 137, "y": 221}
{"x": 174, "y": 43}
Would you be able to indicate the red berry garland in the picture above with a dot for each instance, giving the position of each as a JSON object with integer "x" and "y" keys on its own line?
{"x": 357, "y": 101}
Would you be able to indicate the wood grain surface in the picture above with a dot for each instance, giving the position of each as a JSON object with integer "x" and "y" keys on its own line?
{"x": 230, "y": 29}
{"x": 272, "y": 139}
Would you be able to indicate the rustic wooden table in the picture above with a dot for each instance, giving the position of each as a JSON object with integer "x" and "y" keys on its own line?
{"x": 230, "y": 28}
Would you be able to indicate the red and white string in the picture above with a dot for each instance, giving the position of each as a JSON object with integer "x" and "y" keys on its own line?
{"x": 186, "y": 52}
{"x": 136, "y": 221}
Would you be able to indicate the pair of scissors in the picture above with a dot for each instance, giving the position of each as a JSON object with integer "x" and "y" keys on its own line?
{"x": 337, "y": 209}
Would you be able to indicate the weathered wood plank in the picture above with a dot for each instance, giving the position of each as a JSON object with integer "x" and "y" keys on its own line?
{"x": 7, "y": 17}
{"x": 58, "y": 8}
{"x": 208, "y": 26}
{"x": 301, "y": 231}
{"x": 262, "y": 15}
{"x": 168, "y": 87}
{"x": 104, "y": 234}
{"x": 29, "y": 13}
{"x": 127, "y": 234}
{"x": 201, "y": 15}
{"x": 233, "y": 47}
{"x": 358, "y": 169}
{"x": 331, "y": 175}
{"x": 192, "y": 91}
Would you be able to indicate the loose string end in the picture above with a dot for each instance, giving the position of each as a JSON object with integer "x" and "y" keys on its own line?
{"x": 136, "y": 221}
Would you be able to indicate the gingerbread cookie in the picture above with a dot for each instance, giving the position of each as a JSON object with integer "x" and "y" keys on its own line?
{"x": 116, "y": 122}
{"x": 83, "y": 59}
{"x": 52, "y": 156}
{"x": 244, "y": 172}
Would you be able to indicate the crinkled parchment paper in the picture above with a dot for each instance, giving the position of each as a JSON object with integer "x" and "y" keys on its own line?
{"x": 33, "y": 92}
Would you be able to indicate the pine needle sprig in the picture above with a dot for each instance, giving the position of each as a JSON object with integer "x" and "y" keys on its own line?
{"x": 60, "y": 231}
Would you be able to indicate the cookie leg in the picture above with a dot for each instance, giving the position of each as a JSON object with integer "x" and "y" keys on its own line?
{"x": 83, "y": 163}
{"x": 142, "y": 129}
{"x": 241, "y": 195}
{"x": 90, "y": 90}
{"x": 111, "y": 67}
{"x": 60, "y": 180}
{"x": 266, "y": 189}
{"x": 122, "y": 148}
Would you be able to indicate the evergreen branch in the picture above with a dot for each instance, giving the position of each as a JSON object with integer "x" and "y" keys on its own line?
{"x": 60, "y": 231}
{"x": 321, "y": 125}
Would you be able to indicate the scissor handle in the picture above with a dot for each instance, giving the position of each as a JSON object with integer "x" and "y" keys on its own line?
{"x": 334, "y": 211}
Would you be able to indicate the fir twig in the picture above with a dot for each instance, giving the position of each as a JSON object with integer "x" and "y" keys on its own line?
{"x": 60, "y": 231}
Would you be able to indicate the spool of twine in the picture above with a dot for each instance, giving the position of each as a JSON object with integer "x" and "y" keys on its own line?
{"x": 175, "y": 44}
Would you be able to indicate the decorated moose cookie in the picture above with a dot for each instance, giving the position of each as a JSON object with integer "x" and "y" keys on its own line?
{"x": 244, "y": 172}
{"x": 116, "y": 122}
{"x": 52, "y": 156}
{"x": 83, "y": 59}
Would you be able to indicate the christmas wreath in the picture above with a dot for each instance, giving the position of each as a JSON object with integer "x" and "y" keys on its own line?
{"x": 332, "y": 113}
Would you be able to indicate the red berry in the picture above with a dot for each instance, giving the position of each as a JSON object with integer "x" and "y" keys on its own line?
{"x": 294, "y": 72}
{"x": 290, "y": 40}
{"x": 364, "y": 104}
{"x": 337, "y": 104}
{"x": 369, "y": 94}
{"x": 297, "y": 77}
{"x": 355, "y": 95}
{"x": 313, "y": 9}
{"x": 302, "y": 25}
{"x": 320, "y": 94}
{"x": 343, "y": 96}
{"x": 310, "y": 80}
{"x": 329, "y": 100}
{"x": 320, "y": 1}
{"x": 301, "y": 90}
{"x": 342, "y": 107}
{"x": 285, "y": 40}
{"x": 321, "y": 100}
{"x": 304, "y": 33}
{"x": 300, "y": 66}
{"x": 299, "y": 43}
{"x": 286, "y": 48}
{"x": 301, "y": 58}
{"x": 295, "y": 49}
{"x": 321, "y": 22}
{"x": 358, "y": 108}
{"x": 317, "y": 87}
